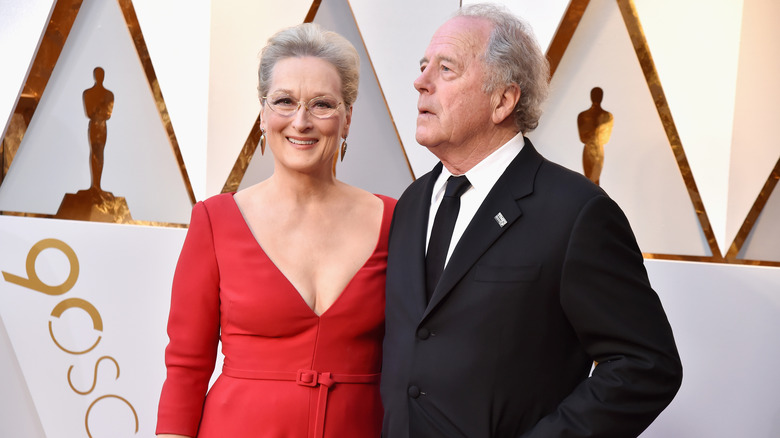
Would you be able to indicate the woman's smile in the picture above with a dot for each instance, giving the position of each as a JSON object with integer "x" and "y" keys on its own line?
{"x": 302, "y": 142}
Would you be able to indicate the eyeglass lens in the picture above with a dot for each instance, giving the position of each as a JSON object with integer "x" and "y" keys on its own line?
{"x": 286, "y": 105}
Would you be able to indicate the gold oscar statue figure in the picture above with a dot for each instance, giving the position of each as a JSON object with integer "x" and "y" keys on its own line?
{"x": 595, "y": 127}
{"x": 95, "y": 204}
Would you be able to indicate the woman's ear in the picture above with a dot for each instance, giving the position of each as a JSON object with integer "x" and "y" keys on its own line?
{"x": 348, "y": 122}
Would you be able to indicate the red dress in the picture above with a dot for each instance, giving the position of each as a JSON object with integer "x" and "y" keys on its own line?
{"x": 288, "y": 373}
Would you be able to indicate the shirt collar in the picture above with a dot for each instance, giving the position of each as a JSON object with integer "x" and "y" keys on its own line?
{"x": 484, "y": 175}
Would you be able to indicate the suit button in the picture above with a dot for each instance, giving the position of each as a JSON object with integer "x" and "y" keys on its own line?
{"x": 413, "y": 391}
{"x": 423, "y": 333}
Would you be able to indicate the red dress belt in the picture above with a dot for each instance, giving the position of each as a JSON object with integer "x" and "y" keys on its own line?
{"x": 306, "y": 378}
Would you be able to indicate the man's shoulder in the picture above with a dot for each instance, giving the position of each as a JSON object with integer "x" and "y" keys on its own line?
{"x": 554, "y": 176}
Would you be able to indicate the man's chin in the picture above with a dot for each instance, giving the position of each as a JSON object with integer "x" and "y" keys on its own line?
{"x": 427, "y": 145}
{"x": 424, "y": 140}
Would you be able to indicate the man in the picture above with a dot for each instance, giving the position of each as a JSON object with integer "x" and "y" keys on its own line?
{"x": 543, "y": 275}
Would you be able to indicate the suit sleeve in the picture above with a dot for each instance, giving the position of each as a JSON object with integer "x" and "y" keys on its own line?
{"x": 619, "y": 320}
{"x": 193, "y": 330}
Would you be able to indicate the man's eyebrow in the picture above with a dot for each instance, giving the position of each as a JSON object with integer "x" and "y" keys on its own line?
{"x": 424, "y": 60}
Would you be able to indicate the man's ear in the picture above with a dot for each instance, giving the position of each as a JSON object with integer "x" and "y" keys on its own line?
{"x": 505, "y": 102}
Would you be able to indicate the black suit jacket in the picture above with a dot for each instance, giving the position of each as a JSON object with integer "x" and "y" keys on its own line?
{"x": 506, "y": 345}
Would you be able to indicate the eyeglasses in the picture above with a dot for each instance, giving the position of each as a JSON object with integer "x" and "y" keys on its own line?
{"x": 285, "y": 105}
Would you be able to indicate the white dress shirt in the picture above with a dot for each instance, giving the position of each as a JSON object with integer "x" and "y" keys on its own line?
{"x": 482, "y": 177}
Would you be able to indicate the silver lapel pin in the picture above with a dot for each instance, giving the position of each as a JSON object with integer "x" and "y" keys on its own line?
{"x": 500, "y": 219}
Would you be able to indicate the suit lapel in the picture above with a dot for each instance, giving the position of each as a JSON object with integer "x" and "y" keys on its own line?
{"x": 516, "y": 182}
{"x": 416, "y": 238}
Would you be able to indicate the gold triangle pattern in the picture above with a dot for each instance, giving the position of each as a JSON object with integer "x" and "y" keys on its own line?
{"x": 60, "y": 24}
{"x": 253, "y": 139}
{"x": 53, "y": 40}
{"x": 382, "y": 93}
{"x": 750, "y": 221}
{"x": 250, "y": 145}
{"x": 65, "y": 12}
{"x": 635, "y": 31}
{"x": 562, "y": 37}
{"x": 560, "y": 42}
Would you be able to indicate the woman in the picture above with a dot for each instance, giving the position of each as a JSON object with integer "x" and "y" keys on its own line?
{"x": 288, "y": 273}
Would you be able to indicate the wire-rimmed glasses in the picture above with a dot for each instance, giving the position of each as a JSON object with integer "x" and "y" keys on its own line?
{"x": 285, "y": 105}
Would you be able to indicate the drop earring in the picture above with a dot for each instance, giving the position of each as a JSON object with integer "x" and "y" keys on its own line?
{"x": 262, "y": 142}
{"x": 343, "y": 149}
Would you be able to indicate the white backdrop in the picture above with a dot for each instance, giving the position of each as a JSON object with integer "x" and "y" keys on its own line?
{"x": 69, "y": 285}
{"x": 714, "y": 63}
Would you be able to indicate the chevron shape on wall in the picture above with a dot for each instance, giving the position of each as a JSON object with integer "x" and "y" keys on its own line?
{"x": 54, "y": 52}
{"x": 631, "y": 19}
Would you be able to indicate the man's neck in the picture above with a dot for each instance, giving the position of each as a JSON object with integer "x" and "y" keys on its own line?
{"x": 459, "y": 160}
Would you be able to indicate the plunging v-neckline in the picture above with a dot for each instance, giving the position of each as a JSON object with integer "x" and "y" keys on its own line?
{"x": 287, "y": 280}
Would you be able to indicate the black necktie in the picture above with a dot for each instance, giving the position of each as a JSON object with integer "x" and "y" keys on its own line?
{"x": 441, "y": 233}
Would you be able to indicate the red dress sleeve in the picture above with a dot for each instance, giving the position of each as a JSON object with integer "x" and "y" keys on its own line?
{"x": 193, "y": 330}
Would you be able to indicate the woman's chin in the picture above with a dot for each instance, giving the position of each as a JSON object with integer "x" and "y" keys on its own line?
{"x": 311, "y": 164}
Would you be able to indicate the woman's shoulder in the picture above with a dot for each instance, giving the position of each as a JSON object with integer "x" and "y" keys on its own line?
{"x": 356, "y": 192}
{"x": 386, "y": 204}
{"x": 213, "y": 207}
{"x": 219, "y": 199}
{"x": 387, "y": 200}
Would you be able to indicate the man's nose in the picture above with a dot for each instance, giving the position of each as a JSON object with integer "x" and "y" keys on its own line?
{"x": 422, "y": 83}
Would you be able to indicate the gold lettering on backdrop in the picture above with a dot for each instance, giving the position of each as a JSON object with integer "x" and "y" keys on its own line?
{"x": 86, "y": 417}
{"x": 94, "y": 379}
{"x": 595, "y": 127}
{"x": 96, "y": 204}
{"x": 97, "y": 321}
{"x": 33, "y": 282}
